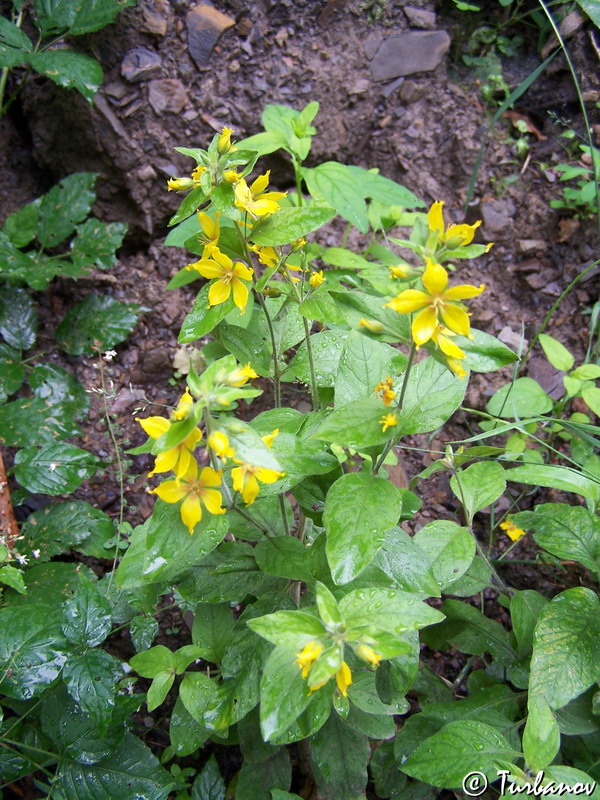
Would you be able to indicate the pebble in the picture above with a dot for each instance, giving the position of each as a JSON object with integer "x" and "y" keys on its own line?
{"x": 140, "y": 64}
{"x": 531, "y": 245}
{"x": 409, "y": 53}
{"x": 204, "y": 27}
{"x": 146, "y": 173}
{"x": 154, "y": 17}
{"x": 498, "y": 215}
{"x": 167, "y": 96}
{"x": 420, "y": 17}
{"x": 512, "y": 339}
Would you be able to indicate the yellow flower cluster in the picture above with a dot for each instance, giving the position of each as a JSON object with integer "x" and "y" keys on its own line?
{"x": 385, "y": 390}
{"x": 511, "y": 530}
{"x": 310, "y": 654}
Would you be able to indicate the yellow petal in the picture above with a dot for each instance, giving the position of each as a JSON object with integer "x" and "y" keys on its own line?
{"x": 237, "y": 476}
{"x": 424, "y": 326}
{"x": 343, "y": 678}
{"x": 212, "y": 500}
{"x": 192, "y": 439}
{"x": 461, "y": 235}
{"x": 409, "y": 300}
{"x": 183, "y": 462}
{"x": 264, "y": 206}
{"x": 165, "y": 462}
{"x": 456, "y": 319}
{"x": 435, "y": 216}
{"x": 191, "y": 511}
{"x": 154, "y": 426}
{"x": 448, "y": 347}
{"x": 265, "y": 475}
{"x": 207, "y": 268}
{"x": 240, "y": 293}
{"x": 191, "y": 473}
{"x": 242, "y": 271}
{"x": 463, "y": 292}
{"x": 170, "y": 491}
{"x": 210, "y": 477}
{"x": 435, "y": 278}
{"x": 206, "y": 223}
{"x": 250, "y": 490}
{"x": 261, "y": 183}
{"x": 218, "y": 293}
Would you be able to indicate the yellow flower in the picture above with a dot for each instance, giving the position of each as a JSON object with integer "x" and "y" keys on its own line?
{"x": 388, "y": 421}
{"x": 231, "y": 176}
{"x": 211, "y": 230}
{"x": 307, "y": 656}
{"x": 197, "y": 173}
{"x": 240, "y": 376}
{"x": 437, "y": 301}
{"x": 400, "y": 270}
{"x": 245, "y": 479}
{"x": 343, "y": 678}
{"x": 368, "y": 654}
{"x": 224, "y": 143}
{"x": 513, "y": 533}
{"x": 270, "y": 437}
{"x": 194, "y": 492}
{"x": 371, "y": 325}
{"x": 317, "y": 279}
{"x": 297, "y": 244}
{"x": 229, "y": 277}
{"x": 180, "y": 457}
{"x": 453, "y": 237}
{"x": 219, "y": 444}
{"x": 254, "y": 199}
{"x": 387, "y": 393}
{"x": 266, "y": 255}
{"x": 453, "y": 353}
{"x": 179, "y": 184}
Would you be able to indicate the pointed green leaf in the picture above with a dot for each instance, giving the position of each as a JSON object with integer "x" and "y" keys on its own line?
{"x": 96, "y": 323}
{"x": 289, "y": 224}
{"x": 69, "y": 69}
{"x": 54, "y": 468}
{"x": 91, "y": 680}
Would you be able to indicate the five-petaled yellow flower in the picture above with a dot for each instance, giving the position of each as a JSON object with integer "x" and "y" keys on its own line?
{"x": 387, "y": 392}
{"x": 195, "y": 492}
{"x": 246, "y": 477}
{"x": 230, "y": 277}
{"x": 211, "y": 230}
{"x": 218, "y": 442}
{"x": 307, "y": 656}
{"x": 388, "y": 421}
{"x": 511, "y": 530}
{"x": 177, "y": 458}
{"x": 254, "y": 199}
{"x": 317, "y": 279}
{"x": 437, "y": 301}
{"x": 455, "y": 235}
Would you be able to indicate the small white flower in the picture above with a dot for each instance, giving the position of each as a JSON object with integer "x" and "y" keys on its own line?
{"x": 52, "y": 467}
{"x": 35, "y": 553}
{"x": 109, "y": 355}
{"x": 22, "y": 559}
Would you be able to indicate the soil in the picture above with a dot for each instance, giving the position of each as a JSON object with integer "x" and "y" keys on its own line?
{"x": 424, "y": 132}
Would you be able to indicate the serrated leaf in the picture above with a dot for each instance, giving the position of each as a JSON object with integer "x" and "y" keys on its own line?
{"x": 336, "y": 185}
{"x": 21, "y": 226}
{"x": 66, "y": 204}
{"x": 14, "y": 44}
{"x": 289, "y": 224}
{"x": 12, "y": 372}
{"x": 96, "y": 243}
{"x": 131, "y": 770}
{"x": 59, "y": 388}
{"x": 96, "y": 323}
{"x": 566, "y": 647}
{"x": 54, "y": 468}
{"x": 60, "y": 16}
{"x": 87, "y": 616}
{"x": 20, "y": 417}
{"x": 18, "y": 318}
{"x": 91, "y": 679}
{"x": 70, "y": 70}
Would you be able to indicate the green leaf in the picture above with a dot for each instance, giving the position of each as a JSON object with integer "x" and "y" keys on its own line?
{"x": 153, "y": 662}
{"x": 59, "y": 388}
{"x": 320, "y": 306}
{"x": 378, "y": 187}
{"x": 14, "y": 44}
{"x": 522, "y": 398}
{"x": 67, "y": 203}
{"x": 359, "y": 509}
{"x": 131, "y": 770}
{"x": 568, "y": 532}
{"x": 263, "y": 143}
{"x": 586, "y": 372}
{"x": 355, "y": 305}
{"x": 32, "y": 649}
{"x": 337, "y": 186}
{"x": 202, "y": 318}
{"x": 190, "y": 203}
{"x": 363, "y": 694}
{"x": 257, "y": 781}
{"x": 570, "y": 776}
{"x": 591, "y": 395}
{"x": 288, "y": 630}
{"x": 556, "y": 353}
{"x": 9, "y": 576}
{"x": 433, "y": 393}
{"x": 90, "y": 678}
{"x": 21, "y": 226}
{"x": 246, "y": 346}
{"x": 478, "y": 486}
{"x": 484, "y": 353}
{"x": 477, "y": 577}
{"x": 407, "y": 564}
{"x": 209, "y": 785}
{"x": 19, "y": 418}
{"x": 339, "y": 759}
{"x": 449, "y": 547}
{"x": 185, "y": 733}
{"x": 69, "y": 69}
{"x": 346, "y": 259}
{"x": 327, "y": 349}
{"x": 58, "y": 16}
{"x": 96, "y": 243}
{"x": 212, "y": 629}
{"x": 18, "y": 318}
{"x": 98, "y": 323}
{"x": 289, "y": 224}
{"x": 87, "y": 616}
{"x": 12, "y": 372}
{"x": 541, "y": 737}
{"x": 525, "y": 609}
{"x": 162, "y": 548}
{"x": 356, "y": 425}
{"x": 60, "y": 527}
{"x": 285, "y": 557}
{"x": 363, "y": 364}
{"x": 554, "y": 477}
{"x": 159, "y": 689}
{"x": 386, "y": 610}
{"x": 196, "y": 691}
{"x": 54, "y": 468}
{"x": 591, "y": 9}
{"x": 143, "y": 630}
{"x": 299, "y": 458}
{"x": 566, "y": 647}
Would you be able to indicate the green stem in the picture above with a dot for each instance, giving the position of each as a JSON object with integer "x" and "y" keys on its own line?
{"x": 390, "y": 443}
{"x": 314, "y": 392}
{"x": 298, "y": 177}
{"x": 276, "y": 371}
{"x": 284, "y": 514}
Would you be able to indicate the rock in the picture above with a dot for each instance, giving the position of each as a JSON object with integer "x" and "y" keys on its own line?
{"x": 409, "y": 53}
{"x": 157, "y": 361}
{"x": 528, "y": 246}
{"x": 167, "y": 96}
{"x": 154, "y": 17}
{"x": 146, "y": 173}
{"x": 549, "y": 378}
{"x": 498, "y": 215}
{"x": 204, "y": 26}
{"x": 361, "y": 86}
{"x": 140, "y": 64}
{"x": 420, "y": 17}
{"x": 392, "y": 87}
{"x": 411, "y": 92}
{"x": 116, "y": 89}
{"x": 371, "y": 46}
